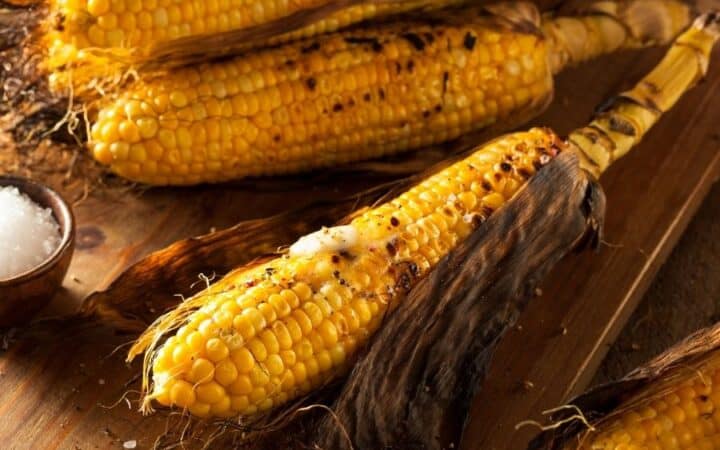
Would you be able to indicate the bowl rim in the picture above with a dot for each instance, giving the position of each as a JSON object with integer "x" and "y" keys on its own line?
{"x": 67, "y": 231}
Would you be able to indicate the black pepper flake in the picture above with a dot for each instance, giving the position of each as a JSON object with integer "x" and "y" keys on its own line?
{"x": 438, "y": 108}
{"x": 367, "y": 97}
{"x": 398, "y": 67}
{"x": 347, "y": 255}
{"x": 337, "y": 107}
{"x": 249, "y": 284}
{"x": 335, "y": 259}
{"x": 411, "y": 66}
{"x": 414, "y": 269}
{"x": 277, "y": 138}
{"x": 269, "y": 270}
{"x": 487, "y": 186}
{"x": 382, "y": 93}
{"x": 311, "y": 83}
{"x": 469, "y": 41}
{"x": 315, "y": 46}
{"x": 391, "y": 249}
{"x": 394, "y": 221}
{"x": 446, "y": 80}
{"x": 426, "y": 114}
{"x": 415, "y": 40}
{"x": 505, "y": 167}
{"x": 336, "y": 274}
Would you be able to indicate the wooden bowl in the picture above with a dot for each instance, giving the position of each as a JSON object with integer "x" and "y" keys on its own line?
{"x": 23, "y": 296}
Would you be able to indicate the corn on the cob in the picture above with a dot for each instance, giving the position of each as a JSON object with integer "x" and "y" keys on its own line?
{"x": 97, "y": 37}
{"x": 274, "y": 332}
{"x": 262, "y": 336}
{"x": 685, "y": 414}
{"x": 350, "y": 96}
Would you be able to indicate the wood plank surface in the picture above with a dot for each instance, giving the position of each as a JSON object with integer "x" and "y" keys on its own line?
{"x": 62, "y": 389}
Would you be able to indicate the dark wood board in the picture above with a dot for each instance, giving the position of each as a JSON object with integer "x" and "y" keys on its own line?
{"x": 62, "y": 394}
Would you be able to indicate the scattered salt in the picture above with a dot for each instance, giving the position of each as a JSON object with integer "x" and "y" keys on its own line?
{"x": 28, "y": 233}
{"x": 130, "y": 444}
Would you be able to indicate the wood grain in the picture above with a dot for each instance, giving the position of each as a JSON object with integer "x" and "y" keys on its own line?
{"x": 56, "y": 388}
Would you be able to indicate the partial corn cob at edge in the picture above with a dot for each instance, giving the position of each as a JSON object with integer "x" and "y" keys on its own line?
{"x": 672, "y": 402}
{"x": 356, "y": 95}
{"x": 89, "y": 40}
{"x": 266, "y": 335}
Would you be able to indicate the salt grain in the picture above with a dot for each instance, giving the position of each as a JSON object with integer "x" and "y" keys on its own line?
{"x": 130, "y": 444}
{"x": 28, "y": 233}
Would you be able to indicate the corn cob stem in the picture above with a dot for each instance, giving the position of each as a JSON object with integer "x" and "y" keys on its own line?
{"x": 265, "y": 335}
{"x": 621, "y": 126}
{"x": 351, "y": 96}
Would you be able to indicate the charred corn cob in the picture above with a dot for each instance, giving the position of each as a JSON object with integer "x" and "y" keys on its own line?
{"x": 354, "y": 95}
{"x": 97, "y": 37}
{"x": 265, "y": 335}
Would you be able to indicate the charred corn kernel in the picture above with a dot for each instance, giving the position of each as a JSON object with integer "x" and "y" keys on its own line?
{"x": 329, "y": 316}
{"x": 101, "y": 33}
{"x": 354, "y": 95}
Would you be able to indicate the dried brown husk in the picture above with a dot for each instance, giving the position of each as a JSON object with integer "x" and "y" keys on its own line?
{"x": 604, "y": 403}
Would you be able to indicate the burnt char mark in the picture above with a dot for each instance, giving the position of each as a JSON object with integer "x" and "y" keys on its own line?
{"x": 394, "y": 221}
{"x": 446, "y": 80}
{"x": 382, "y": 93}
{"x": 415, "y": 40}
{"x": 486, "y": 185}
{"x": 505, "y": 167}
{"x": 374, "y": 43}
{"x": 315, "y": 46}
{"x": 337, "y": 107}
{"x": 392, "y": 250}
{"x": 335, "y": 259}
{"x": 407, "y": 273}
{"x": 622, "y": 126}
{"x": 469, "y": 41}
{"x": 367, "y": 97}
{"x": 411, "y": 66}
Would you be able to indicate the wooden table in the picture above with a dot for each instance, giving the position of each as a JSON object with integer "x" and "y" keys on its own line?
{"x": 65, "y": 394}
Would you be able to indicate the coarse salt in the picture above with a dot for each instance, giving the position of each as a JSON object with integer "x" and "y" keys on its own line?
{"x": 28, "y": 233}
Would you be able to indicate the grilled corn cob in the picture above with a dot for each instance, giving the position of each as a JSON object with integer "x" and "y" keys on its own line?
{"x": 681, "y": 413}
{"x": 95, "y": 38}
{"x": 354, "y": 95}
{"x": 262, "y": 336}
